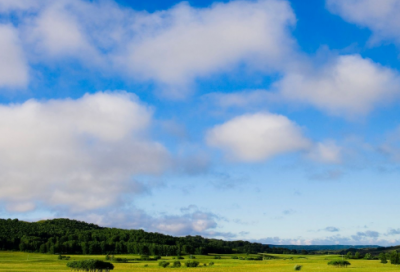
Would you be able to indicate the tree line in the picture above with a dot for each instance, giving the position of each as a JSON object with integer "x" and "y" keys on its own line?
{"x": 65, "y": 236}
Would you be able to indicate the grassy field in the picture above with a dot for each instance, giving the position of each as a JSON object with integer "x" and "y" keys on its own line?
{"x": 21, "y": 262}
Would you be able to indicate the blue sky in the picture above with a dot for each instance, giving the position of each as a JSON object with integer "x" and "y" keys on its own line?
{"x": 271, "y": 120}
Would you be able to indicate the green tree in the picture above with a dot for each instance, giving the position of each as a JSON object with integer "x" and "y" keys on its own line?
{"x": 368, "y": 256}
{"x": 394, "y": 257}
{"x": 349, "y": 255}
{"x": 357, "y": 255}
{"x": 382, "y": 257}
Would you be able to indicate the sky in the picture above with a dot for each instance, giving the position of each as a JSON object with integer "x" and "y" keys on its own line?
{"x": 274, "y": 121}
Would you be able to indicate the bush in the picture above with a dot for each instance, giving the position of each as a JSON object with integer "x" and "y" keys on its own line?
{"x": 192, "y": 264}
{"x": 210, "y": 264}
{"x": 217, "y": 257}
{"x": 90, "y": 265}
{"x": 120, "y": 260}
{"x": 339, "y": 263}
{"x": 297, "y": 267}
{"x": 146, "y": 265}
{"x": 192, "y": 257}
{"x": 163, "y": 264}
{"x": 234, "y": 257}
{"x": 176, "y": 264}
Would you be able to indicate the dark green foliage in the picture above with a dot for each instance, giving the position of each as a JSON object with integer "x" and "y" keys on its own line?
{"x": 163, "y": 264}
{"x": 176, "y": 264}
{"x": 368, "y": 256}
{"x": 60, "y": 257}
{"x": 120, "y": 260}
{"x": 339, "y": 263}
{"x": 394, "y": 257}
{"x": 349, "y": 255}
{"x": 217, "y": 257}
{"x": 297, "y": 267}
{"x": 64, "y": 236}
{"x": 192, "y": 263}
{"x": 382, "y": 257}
{"x": 357, "y": 255}
{"x": 90, "y": 265}
{"x": 234, "y": 257}
{"x": 211, "y": 263}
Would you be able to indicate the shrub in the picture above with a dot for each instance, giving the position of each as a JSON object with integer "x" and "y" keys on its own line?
{"x": 176, "y": 264}
{"x": 163, "y": 264}
{"x": 120, "y": 260}
{"x": 234, "y": 257}
{"x": 192, "y": 257}
{"x": 192, "y": 264}
{"x": 339, "y": 263}
{"x": 90, "y": 265}
{"x": 217, "y": 257}
{"x": 146, "y": 265}
{"x": 210, "y": 264}
{"x": 297, "y": 267}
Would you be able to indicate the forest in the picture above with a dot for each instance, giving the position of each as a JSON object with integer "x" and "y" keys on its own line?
{"x": 65, "y": 236}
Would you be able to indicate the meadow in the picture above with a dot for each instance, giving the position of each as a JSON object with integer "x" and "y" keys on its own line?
{"x": 23, "y": 262}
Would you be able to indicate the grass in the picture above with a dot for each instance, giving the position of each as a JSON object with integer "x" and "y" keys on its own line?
{"x": 23, "y": 262}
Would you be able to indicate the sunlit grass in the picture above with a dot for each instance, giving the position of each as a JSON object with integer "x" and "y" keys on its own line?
{"x": 19, "y": 261}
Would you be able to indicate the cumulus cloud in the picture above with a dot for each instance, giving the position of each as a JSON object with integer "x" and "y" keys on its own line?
{"x": 18, "y": 5}
{"x": 79, "y": 154}
{"x": 191, "y": 221}
{"x": 57, "y": 32}
{"x": 256, "y": 137}
{"x": 347, "y": 85}
{"x": 380, "y": 16}
{"x": 13, "y": 66}
{"x": 197, "y": 42}
{"x": 173, "y": 47}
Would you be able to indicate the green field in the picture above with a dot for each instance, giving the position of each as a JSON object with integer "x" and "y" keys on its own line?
{"x": 20, "y": 261}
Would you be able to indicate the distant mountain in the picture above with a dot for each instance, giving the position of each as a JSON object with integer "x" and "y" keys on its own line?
{"x": 323, "y": 247}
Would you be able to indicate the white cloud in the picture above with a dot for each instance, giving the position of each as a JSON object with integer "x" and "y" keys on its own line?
{"x": 347, "y": 86}
{"x": 190, "y": 221}
{"x": 13, "y": 67}
{"x": 240, "y": 99}
{"x": 18, "y": 5}
{"x": 57, "y": 31}
{"x": 184, "y": 43}
{"x": 173, "y": 47}
{"x": 79, "y": 154}
{"x": 327, "y": 152}
{"x": 257, "y": 137}
{"x": 380, "y": 16}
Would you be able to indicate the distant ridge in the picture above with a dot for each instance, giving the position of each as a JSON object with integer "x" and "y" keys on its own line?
{"x": 323, "y": 247}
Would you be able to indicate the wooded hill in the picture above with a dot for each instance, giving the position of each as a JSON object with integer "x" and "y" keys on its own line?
{"x": 65, "y": 236}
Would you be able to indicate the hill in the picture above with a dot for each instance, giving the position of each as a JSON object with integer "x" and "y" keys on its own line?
{"x": 75, "y": 237}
